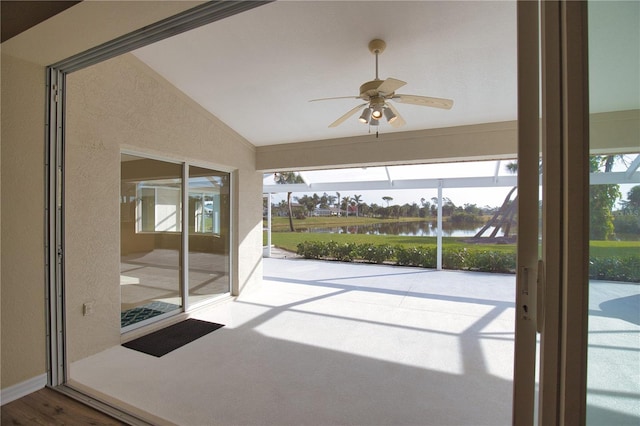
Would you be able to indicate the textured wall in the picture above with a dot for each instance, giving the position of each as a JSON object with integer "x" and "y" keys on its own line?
{"x": 122, "y": 104}
{"x": 23, "y": 318}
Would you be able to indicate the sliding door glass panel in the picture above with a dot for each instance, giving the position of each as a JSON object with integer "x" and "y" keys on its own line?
{"x": 208, "y": 234}
{"x": 150, "y": 239}
{"x": 613, "y": 369}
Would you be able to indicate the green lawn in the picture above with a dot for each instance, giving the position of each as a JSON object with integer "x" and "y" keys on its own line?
{"x": 614, "y": 248}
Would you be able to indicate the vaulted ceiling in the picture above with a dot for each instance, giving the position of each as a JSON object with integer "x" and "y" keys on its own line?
{"x": 257, "y": 70}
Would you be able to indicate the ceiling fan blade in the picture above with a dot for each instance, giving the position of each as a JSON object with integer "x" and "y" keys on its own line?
{"x": 390, "y": 85}
{"x": 399, "y": 121}
{"x": 342, "y": 119}
{"x": 424, "y": 101}
{"x": 339, "y": 97}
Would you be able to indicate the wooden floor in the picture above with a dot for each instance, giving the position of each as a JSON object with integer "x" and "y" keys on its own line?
{"x": 48, "y": 407}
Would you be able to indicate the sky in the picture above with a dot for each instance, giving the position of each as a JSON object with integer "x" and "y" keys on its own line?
{"x": 479, "y": 196}
{"x": 492, "y": 197}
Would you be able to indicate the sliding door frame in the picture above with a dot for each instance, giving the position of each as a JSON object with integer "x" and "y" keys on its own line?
{"x": 565, "y": 255}
{"x": 551, "y": 279}
{"x": 575, "y": 179}
{"x": 54, "y": 215}
{"x": 524, "y": 373}
{"x": 561, "y": 299}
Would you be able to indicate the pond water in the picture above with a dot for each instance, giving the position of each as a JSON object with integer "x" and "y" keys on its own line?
{"x": 412, "y": 229}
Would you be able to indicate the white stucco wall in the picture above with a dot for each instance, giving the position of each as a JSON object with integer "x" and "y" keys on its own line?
{"x": 23, "y": 291}
{"x": 123, "y": 104}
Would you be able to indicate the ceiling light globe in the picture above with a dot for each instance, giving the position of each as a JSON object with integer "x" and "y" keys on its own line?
{"x": 366, "y": 115}
{"x": 377, "y": 113}
{"x": 390, "y": 115}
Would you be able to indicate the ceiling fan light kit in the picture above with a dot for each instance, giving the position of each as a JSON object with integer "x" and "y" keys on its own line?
{"x": 389, "y": 115}
{"x": 378, "y": 94}
{"x": 377, "y": 113}
{"x": 366, "y": 115}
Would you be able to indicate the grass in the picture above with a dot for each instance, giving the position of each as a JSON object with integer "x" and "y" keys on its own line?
{"x": 614, "y": 248}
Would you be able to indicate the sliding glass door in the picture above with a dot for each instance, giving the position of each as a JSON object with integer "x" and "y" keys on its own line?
{"x": 155, "y": 274}
{"x": 208, "y": 234}
{"x": 613, "y": 333}
{"x": 589, "y": 320}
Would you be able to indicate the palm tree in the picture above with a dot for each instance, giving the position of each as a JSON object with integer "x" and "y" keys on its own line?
{"x": 288, "y": 177}
{"x": 345, "y": 201}
{"x": 331, "y": 199}
{"x": 358, "y": 201}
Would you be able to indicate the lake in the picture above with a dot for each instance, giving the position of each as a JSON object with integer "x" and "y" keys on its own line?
{"x": 411, "y": 229}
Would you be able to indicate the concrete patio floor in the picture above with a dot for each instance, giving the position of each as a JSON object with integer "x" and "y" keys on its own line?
{"x": 330, "y": 343}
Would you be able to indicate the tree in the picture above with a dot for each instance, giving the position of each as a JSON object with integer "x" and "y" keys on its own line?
{"x": 309, "y": 203}
{"x": 358, "y": 200}
{"x": 387, "y": 199}
{"x": 472, "y": 209}
{"x": 632, "y": 204}
{"x": 414, "y": 210}
{"x": 447, "y": 206}
{"x": 331, "y": 199}
{"x": 374, "y": 209}
{"x": 288, "y": 177}
{"x": 602, "y": 198}
{"x": 345, "y": 203}
{"x": 627, "y": 220}
{"x": 365, "y": 210}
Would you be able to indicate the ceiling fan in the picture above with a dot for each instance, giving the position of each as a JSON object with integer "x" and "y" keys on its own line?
{"x": 377, "y": 94}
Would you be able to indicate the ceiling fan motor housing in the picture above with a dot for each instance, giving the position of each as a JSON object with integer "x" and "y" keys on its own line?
{"x": 377, "y": 46}
{"x": 370, "y": 89}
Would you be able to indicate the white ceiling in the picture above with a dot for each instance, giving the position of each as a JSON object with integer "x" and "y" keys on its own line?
{"x": 256, "y": 71}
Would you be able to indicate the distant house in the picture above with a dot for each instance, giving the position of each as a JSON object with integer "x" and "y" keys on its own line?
{"x": 331, "y": 211}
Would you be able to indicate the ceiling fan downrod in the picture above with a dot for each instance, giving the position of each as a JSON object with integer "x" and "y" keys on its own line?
{"x": 377, "y": 66}
{"x": 376, "y": 47}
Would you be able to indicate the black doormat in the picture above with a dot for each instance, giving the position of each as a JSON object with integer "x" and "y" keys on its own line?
{"x": 168, "y": 339}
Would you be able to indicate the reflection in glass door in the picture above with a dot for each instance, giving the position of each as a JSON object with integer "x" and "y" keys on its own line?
{"x": 150, "y": 239}
{"x": 208, "y": 234}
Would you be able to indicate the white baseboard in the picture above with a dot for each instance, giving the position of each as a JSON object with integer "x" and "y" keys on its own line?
{"x": 21, "y": 389}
